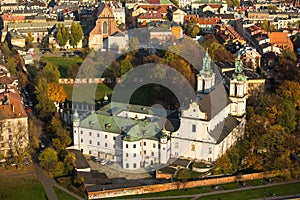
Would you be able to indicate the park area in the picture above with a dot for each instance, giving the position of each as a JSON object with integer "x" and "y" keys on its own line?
{"x": 21, "y": 187}
{"x": 62, "y": 63}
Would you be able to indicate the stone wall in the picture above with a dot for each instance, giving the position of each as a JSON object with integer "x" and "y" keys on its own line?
{"x": 176, "y": 185}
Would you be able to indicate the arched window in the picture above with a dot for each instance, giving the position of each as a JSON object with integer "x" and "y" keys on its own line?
{"x": 104, "y": 28}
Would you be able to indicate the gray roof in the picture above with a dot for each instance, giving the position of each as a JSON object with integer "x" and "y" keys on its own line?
{"x": 81, "y": 162}
{"x": 215, "y": 101}
{"x": 95, "y": 178}
{"x": 224, "y": 128}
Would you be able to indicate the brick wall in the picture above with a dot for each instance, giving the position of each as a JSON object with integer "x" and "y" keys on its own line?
{"x": 177, "y": 185}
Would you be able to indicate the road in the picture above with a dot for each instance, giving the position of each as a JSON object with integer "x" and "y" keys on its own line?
{"x": 197, "y": 196}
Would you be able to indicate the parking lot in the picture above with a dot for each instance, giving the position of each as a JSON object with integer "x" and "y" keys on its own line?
{"x": 115, "y": 171}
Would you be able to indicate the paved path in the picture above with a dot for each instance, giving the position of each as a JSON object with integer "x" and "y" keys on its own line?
{"x": 197, "y": 196}
{"x": 47, "y": 181}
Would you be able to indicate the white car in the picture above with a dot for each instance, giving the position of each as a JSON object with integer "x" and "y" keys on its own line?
{"x": 103, "y": 162}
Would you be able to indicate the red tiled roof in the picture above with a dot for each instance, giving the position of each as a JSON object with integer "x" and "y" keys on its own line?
{"x": 12, "y": 17}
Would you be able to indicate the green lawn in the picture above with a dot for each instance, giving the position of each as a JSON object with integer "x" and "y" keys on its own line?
{"x": 87, "y": 92}
{"x": 187, "y": 174}
{"x": 280, "y": 190}
{"x": 63, "y": 63}
{"x": 23, "y": 188}
{"x": 62, "y": 195}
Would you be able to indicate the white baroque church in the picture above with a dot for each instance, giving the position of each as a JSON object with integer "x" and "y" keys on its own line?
{"x": 132, "y": 135}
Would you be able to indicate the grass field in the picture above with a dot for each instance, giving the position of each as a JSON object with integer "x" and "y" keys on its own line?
{"x": 63, "y": 63}
{"x": 292, "y": 188}
{"x": 62, "y": 195}
{"x": 23, "y": 188}
{"x": 87, "y": 92}
{"x": 280, "y": 190}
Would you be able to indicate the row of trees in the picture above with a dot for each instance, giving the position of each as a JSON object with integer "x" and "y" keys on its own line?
{"x": 272, "y": 133}
{"x": 73, "y": 35}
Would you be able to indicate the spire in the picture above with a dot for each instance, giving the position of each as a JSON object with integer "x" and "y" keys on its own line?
{"x": 206, "y": 70}
{"x": 238, "y": 72}
{"x": 76, "y": 117}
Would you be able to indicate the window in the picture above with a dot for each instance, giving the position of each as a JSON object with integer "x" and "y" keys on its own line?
{"x": 152, "y": 153}
{"x": 81, "y": 140}
{"x": 209, "y": 159}
{"x": 90, "y": 133}
{"x": 127, "y": 155}
{"x": 145, "y": 152}
{"x": 176, "y": 145}
{"x": 144, "y": 143}
{"x": 193, "y": 128}
{"x": 193, "y": 147}
{"x": 114, "y": 138}
{"x": 152, "y": 162}
{"x": 98, "y": 135}
{"x": 127, "y": 165}
{"x": 98, "y": 143}
{"x": 210, "y": 150}
{"x": 134, "y": 146}
{"x": 90, "y": 152}
{"x": 90, "y": 142}
{"x": 134, "y": 165}
{"x": 105, "y": 144}
{"x": 1, "y": 138}
{"x": 154, "y": 146}
{"x": 126, "y": 146}
{"x": 81, "y": 132}
{"x": 2, "y": 144}
{"x": 9, "y": 130}
{"x": 176, "y": 154}
{"x": 10, "y": 137}
{"x": 105, "y": 136}
{"x": 164, "y": 148}
{"x": 104, "y": 28}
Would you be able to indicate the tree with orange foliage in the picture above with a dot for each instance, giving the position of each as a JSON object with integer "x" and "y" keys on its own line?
{"x": 56, "y": 93}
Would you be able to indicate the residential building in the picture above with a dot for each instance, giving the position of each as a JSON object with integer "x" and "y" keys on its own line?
{"x": 13, "y": 118}
{"x": 281, "y": 40}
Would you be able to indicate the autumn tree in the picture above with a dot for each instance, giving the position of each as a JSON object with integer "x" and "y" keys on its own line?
{"x": 56, "y": 93}
{"x": 34, "y": 132}
{"x": 192, "y": 29}
{"x": 223, "y": 165}
{"x": 28, "y": 40}
{"x": 76, "y": 34}
{"x": 11, "y": 64}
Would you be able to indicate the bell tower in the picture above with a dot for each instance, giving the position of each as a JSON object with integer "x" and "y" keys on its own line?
{"x": 76, "y": 123}
{"x": 238, "y": 90}
{"x": 206, "y": 77}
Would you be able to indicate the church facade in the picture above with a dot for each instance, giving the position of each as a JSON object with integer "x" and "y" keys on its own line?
{"x": 136, "y": 137}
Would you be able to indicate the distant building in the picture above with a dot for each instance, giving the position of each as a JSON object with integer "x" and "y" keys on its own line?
{"x": 105, "y": 26}
{"x": 281, "y": 40}
{"x": 13, "y": 118}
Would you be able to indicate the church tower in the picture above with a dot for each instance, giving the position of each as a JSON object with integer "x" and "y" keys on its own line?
{"x": 238, "y": 90}
{"x": 206, "y": 77}
{"x": 76, "y": 123}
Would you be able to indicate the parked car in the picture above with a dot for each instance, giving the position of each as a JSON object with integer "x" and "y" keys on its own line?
{"x": 103, "y": 162}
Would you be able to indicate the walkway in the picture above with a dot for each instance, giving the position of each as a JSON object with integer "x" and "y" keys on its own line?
{"x": 47, "y": 181}
{"x": 197, "y": 196}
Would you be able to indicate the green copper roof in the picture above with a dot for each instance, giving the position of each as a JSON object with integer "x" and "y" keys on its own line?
{"x": 131, "y": 129}
{"x": 238, "y": 73}
{"x": 206, "y": 70}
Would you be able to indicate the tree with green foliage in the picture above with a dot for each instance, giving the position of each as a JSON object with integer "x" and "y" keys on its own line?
{"x": 45, "y": 106}
{"x": 48, "y": 159}
{"x": 192, "y": 29}
{"x": 125, "y": 66}
{"x": 76, "y": 34}
{"x": 72, "y": 71}
{"x": 11, "y": 64}
{"x": 51, "y": 73}
{"x": 288, "y": 55}
{"x": 223, "y": 165}
{"x": 62, "y": 35}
